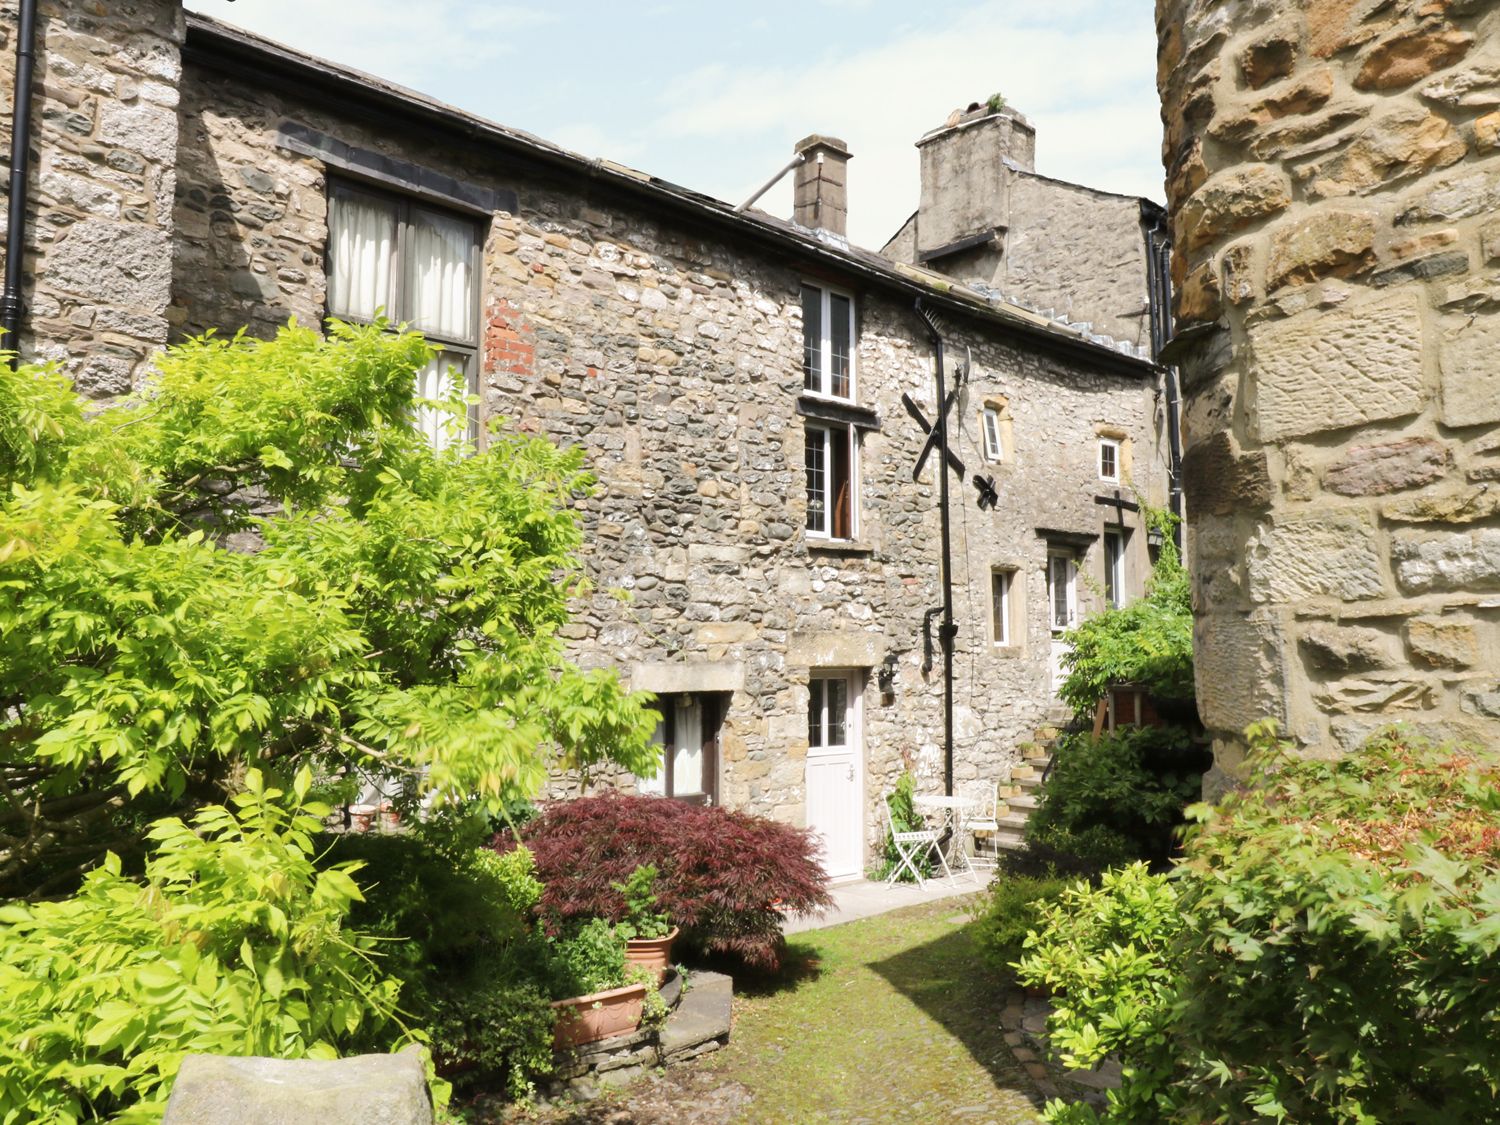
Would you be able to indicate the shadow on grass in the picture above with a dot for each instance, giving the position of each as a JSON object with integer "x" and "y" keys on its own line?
{"x": 800, "y": 964}
{"x": 946, "y": 980}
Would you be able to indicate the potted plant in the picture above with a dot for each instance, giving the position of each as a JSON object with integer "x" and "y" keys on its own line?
{"x": 648, "y": 932}
{"x": 595, "y": 996}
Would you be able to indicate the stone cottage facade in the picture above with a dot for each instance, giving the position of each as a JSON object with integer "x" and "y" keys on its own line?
{"x": 751, "y": 394}
{"x": 1334, "y": 176}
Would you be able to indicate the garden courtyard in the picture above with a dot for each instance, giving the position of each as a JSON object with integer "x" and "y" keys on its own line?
{"x": 886, "y": 1018}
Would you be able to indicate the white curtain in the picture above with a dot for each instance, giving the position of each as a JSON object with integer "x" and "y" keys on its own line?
{"x": 437, "y": 283}
{"x": 687, "y": 762}
{"x": 437, "y": 381}
{"x": 361, "y": 244}
{"x": 656, "y": 786}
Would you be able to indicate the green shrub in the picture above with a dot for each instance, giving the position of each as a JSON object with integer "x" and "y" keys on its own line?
{"x": 905, "y": 817}
{"x": 233, "y": 944}
{"x": 1330, "y": 956}
{"x": 591, "y": 959}
{"x": 643, "y": 920}
{"x": 457, "y": 924}
{"x": 1007, "y": 912}
{"x": 1119, "y": 797}
{"x": 1343, "y": 924}
{"x": 1105, "y": 954}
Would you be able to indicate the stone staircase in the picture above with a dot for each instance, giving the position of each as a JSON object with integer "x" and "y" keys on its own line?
{"x": 1019, "y": 798}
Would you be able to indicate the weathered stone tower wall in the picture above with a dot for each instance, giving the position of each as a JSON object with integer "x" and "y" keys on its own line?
{"x": 99, "y": 226}
{"x": 1334, "y": 177}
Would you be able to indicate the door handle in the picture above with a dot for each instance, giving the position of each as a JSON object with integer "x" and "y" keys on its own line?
{"x": 851, "y": 771}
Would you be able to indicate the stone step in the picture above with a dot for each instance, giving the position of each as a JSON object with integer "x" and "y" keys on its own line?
{"x": 1029, "y": 784}
{"x": 1016, "y": 821}
{"x": 1022, "y": 805}
{"x": 701, "y": 1022}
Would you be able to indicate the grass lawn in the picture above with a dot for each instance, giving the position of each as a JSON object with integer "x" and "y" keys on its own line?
{"x": 890, "y": 1019}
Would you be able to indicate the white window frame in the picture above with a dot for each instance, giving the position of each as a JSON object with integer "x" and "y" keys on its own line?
{"x": 994, "y": 445}
{"x": 1002, "y": 581}
{"x": 1066, "y": 562}
{"x": 467, "y": 350}
{"x": 823, "y": 389}
{"x": 851, "y": 684}
{"x": 823, "y": 529}
{"x": 1114, "y": 446}
{"x": 1114, "y": 566}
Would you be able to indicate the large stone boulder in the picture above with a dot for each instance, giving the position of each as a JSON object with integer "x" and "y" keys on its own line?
{"x": 362, "y": 1090}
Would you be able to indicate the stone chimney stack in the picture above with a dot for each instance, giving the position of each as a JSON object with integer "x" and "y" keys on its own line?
{"x": 821, "y": 199}
{"x": 965, "y": 191}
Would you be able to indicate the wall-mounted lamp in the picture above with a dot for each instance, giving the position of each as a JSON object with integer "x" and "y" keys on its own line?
{"x": 1154, "y": 538}
{"x": 886, "y": 679}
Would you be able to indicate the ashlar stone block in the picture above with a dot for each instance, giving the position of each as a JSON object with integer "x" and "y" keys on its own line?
{"x": 1471, "y": 371}
{"x": 1326, "y": 555}
{"x": 1328, "y": 370}
{"x": 1447, "y": 561}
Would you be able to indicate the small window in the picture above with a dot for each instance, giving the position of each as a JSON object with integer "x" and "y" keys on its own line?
{"x": 1062, "y": 591}
{"x": 828, "y": 712}
{"x": 1114, "y": 567}
{"x": 1000, "y": 584}
{"x": 994, "y": 448}
{"x": 1109, "y": 460}
{"x": 687, "y": 733}
{"x": 418, "y": 265}
{"x": 831, "y": 463}
{"x": 827, "y": 342}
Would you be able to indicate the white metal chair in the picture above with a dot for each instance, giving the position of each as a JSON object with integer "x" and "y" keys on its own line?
{"x": 984, "y": 820}
{"x": 910, "y": 845}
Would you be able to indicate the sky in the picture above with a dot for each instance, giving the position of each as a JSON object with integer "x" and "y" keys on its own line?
{"x": 713, "y": 97}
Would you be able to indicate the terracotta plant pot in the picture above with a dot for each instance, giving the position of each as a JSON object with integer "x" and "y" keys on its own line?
{"x": 599, "y": 1015}
{"x": 652, "y": 953}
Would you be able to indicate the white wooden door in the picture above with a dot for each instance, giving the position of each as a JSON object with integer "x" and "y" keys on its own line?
{"x": 835, "y": 771}
{"x": 1062, "y": 607}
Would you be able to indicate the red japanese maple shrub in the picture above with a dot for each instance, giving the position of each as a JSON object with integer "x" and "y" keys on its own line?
{"x": 724, "y": 877}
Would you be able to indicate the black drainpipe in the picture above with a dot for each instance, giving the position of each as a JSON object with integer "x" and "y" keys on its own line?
{"x": 947, "y": 631}
{"x": 20, "y": 172}
{"x": 1159, "y": 277}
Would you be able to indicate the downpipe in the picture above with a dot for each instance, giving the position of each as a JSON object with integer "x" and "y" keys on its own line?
{"x": 20, "y": 173}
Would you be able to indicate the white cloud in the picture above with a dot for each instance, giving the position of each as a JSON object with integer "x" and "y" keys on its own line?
{"x": 422, "y": 46}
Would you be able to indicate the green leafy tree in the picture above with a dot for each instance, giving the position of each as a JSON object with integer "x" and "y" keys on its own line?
{"x": 1147, "y": 642}
{"x": 232, "y": 943}
{"x": 258, "y": 563}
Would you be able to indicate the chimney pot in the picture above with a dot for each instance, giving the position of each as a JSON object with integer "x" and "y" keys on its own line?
{"x": 821, "y": 193}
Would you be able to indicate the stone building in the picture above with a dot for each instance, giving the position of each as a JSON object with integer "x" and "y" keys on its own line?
{"x": 988, "y": 218}
{"x": 748, "y": 390}
{"x": 1334, "y": 178}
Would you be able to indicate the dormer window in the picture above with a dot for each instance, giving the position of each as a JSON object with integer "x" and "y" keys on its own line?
{"x": 827, "y": 342}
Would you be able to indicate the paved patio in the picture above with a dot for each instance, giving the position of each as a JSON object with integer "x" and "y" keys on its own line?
{"x": 861, "y": 898}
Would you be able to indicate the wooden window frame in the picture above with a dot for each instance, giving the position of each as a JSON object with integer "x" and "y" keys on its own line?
{"x": 840, "y": 502}
{"x": 714, "y": 708}
{"x": 1116, "y": 448}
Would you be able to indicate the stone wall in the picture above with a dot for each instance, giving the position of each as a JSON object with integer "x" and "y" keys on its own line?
{"x": 99, "y": 237}
{"x": 674, "y": 359}
{"x": 1334, "y": 175}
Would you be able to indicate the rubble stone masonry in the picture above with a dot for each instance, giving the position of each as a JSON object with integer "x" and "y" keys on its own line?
{"x": 674, "y": 358}
{"x": 1334, "y": 177}
{"x": 99, "y": 234}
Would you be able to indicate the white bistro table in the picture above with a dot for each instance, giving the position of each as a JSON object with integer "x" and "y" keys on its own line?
{"x": 950, "y": 814}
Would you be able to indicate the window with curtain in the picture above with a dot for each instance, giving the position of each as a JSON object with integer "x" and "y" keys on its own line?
{"x": 418, "y": 265}
{"x": 687, "y": 735}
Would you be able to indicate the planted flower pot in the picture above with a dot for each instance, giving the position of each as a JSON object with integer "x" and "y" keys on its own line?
{"x": 599, "y": 1015}
{"x": 652, "y": 953}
